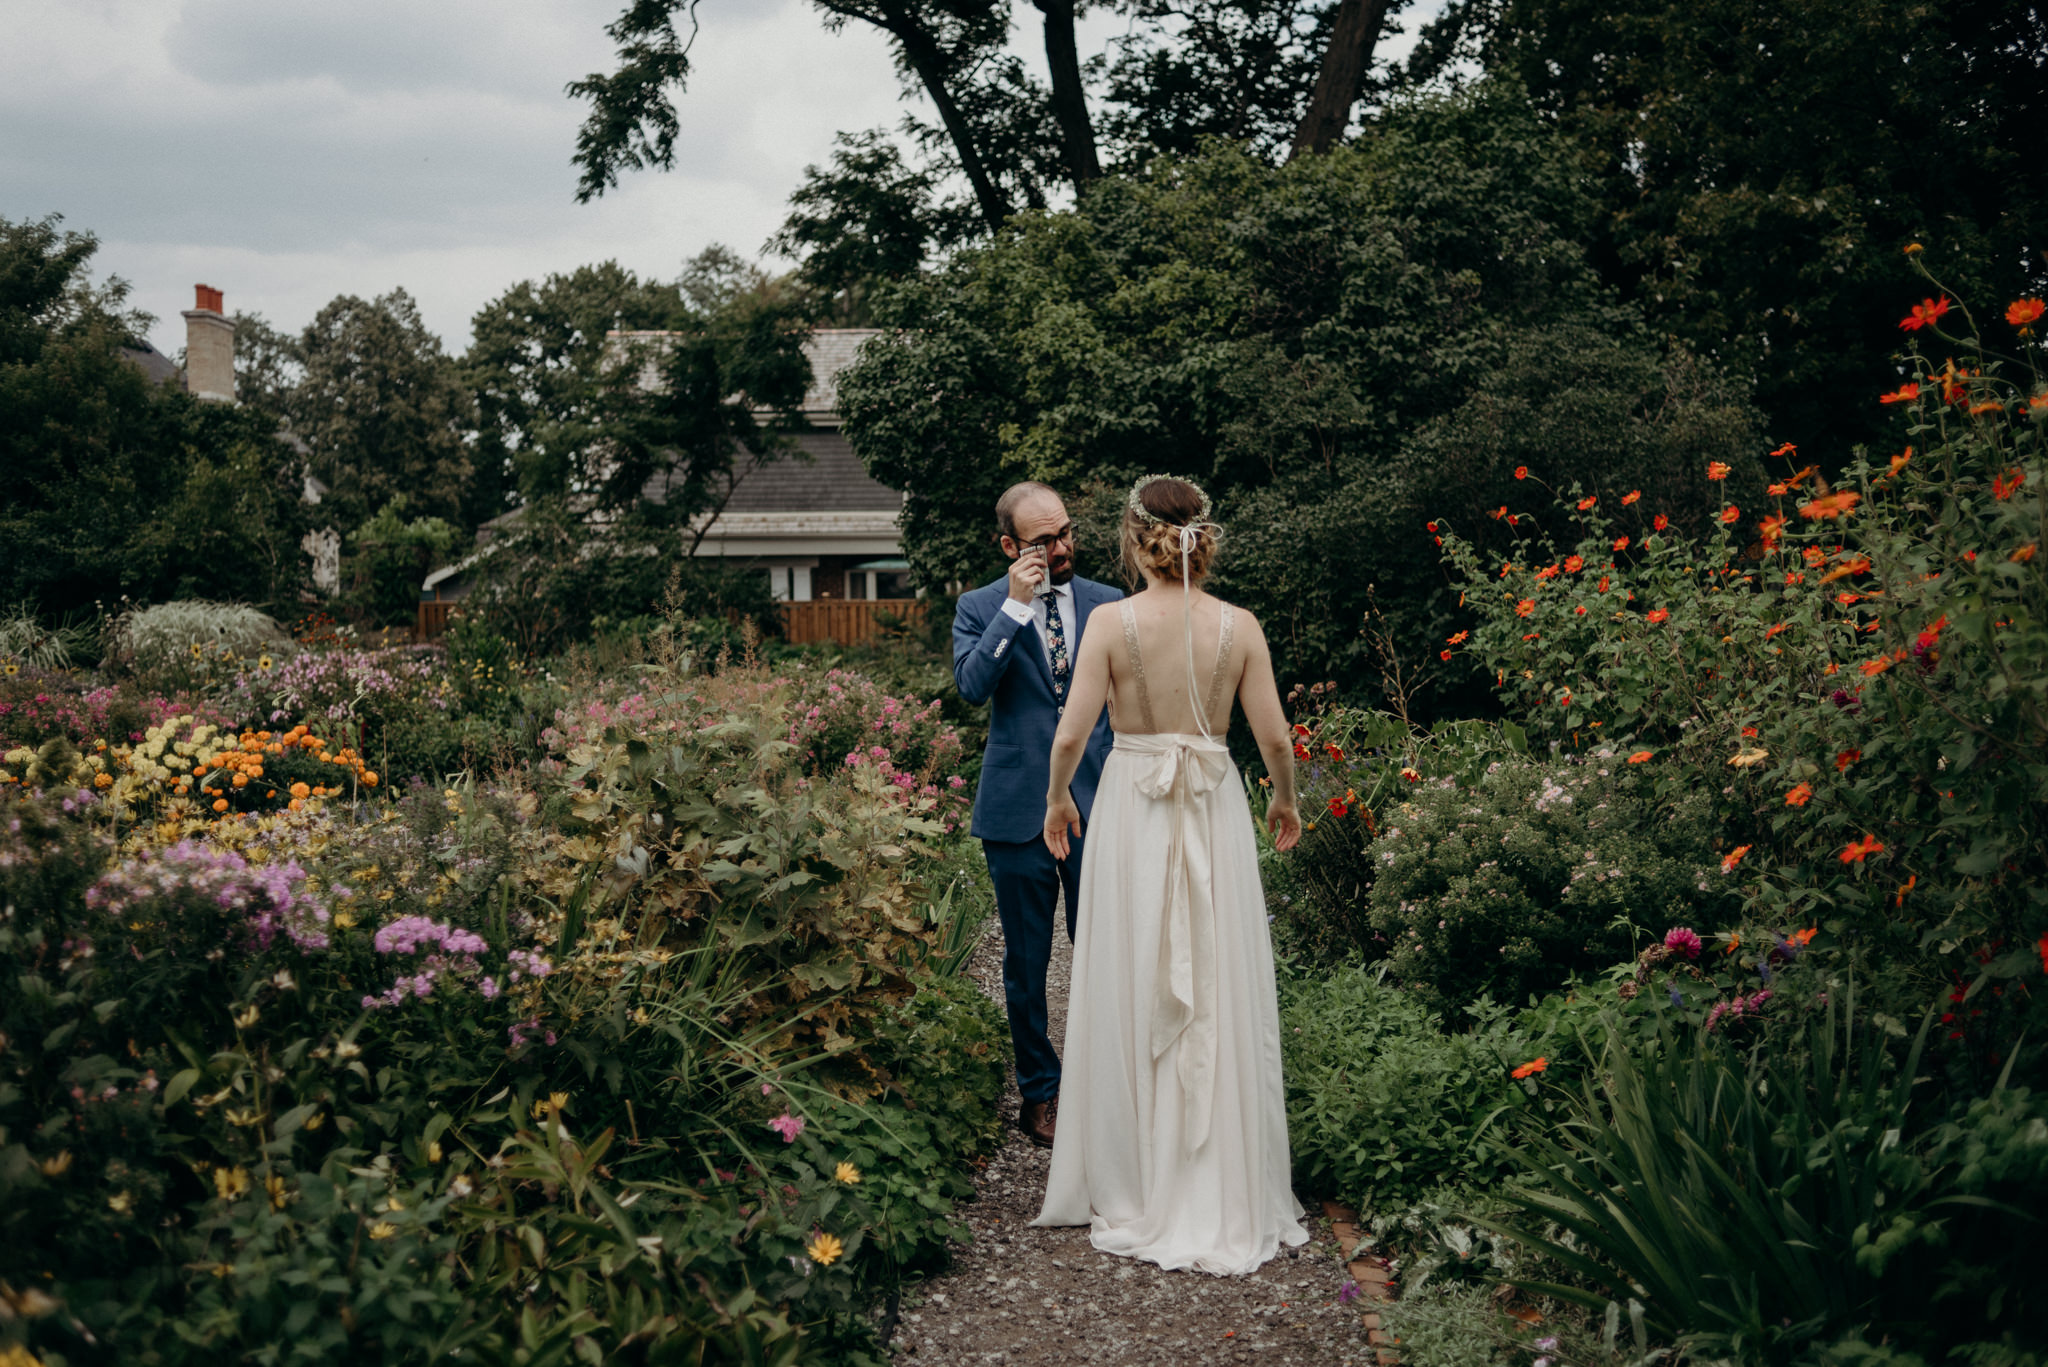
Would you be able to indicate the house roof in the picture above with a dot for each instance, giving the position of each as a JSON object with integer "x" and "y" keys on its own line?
{"x": 160, "y": 368}
{"x": 824, "y": 476}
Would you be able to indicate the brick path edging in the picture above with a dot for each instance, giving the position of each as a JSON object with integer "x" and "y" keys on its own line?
{"x": 1375, "y": 1286}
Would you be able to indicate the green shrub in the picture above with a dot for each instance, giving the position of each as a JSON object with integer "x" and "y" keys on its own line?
{"x": 1384, "y": 1107}
{"x": 191, "y": 643}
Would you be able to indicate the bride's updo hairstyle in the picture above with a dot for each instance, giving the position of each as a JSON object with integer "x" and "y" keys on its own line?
{"x": 1159, "y": 507}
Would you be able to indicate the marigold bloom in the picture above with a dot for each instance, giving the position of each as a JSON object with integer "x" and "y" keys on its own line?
{"x": 220, "y": 804}
{"x": 2024, "y": 313}
{"x": 1831, "y": 505}
{"x": 1733, "y": 858}
{"x": 1660, "y": 522}
{"x": 1534, "y": 1065}
{"x": 1799, "y": 796}
{"x": 1857, "y": 850}
{"x": 1731, "y": 514}
{"x": 1905, "y": 393}
{"x": 1925, "y": 314}
{"x": 2005, "y": 486}
{"x": 1642, "y": 757}
{"x": 824, "y": 1249}
{"x": 1658, "y": 616}
{"x": 1845, "y": 758}
{"x": 1525, "y": 607}
{"x": 1717, "y": 469}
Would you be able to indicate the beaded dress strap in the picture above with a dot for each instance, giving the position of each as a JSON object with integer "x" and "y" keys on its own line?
{"x": 1130, "y": 621}
{"x": 1224, "y": 632}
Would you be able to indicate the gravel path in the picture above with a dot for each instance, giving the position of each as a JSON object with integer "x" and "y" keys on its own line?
{"x": 1024, "y": 1296}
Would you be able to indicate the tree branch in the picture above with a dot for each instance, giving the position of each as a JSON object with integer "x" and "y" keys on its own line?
{"x": 1069, "y": 99}
{"x": 1345, "y": 61}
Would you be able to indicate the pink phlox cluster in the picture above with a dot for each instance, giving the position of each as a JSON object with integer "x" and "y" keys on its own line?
{"x": 524, "y": 1032}
{"x": 1683, "y": 941}
{"x": 271, "y": 898}
{"x": 788, "y": 1126}
{"x": 1738, "y": 1007}
{"x": 333, "y": 683}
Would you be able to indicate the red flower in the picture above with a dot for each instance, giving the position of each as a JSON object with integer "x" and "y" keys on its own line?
{"x": 1799, "y": 796}
{"x": 1337, "y": 807}
{"x": 1587, "y": 502}
{"x": 1858, "y": 849}
{"x": 1642, "y": 757}
{"x": 1573, "y": 564}
{"x": 1500, "y": 512}
{"x": 1925, "y": 313}
{"x": 1660, "y": 522}
{"x": 1458, "y": 638}
{"x": 2024, "y": 313}
{"x": 2044, "y": 951}
{"x": 1802, "y": 938}
{"x": 1301, "y": 752}
{"x": 1658, "y": 616}
{"x": 1905, "y": 393}
{"x": 1536, "y": 1065}
{"x": 1430, "y": 525}
{"x": 1521, "y": 472}
{"x": 1731, "y": 513}
{"x": 1831, "y": 505}
{"x": 1734, "y": 857}
{"x": 1788, "y": 449}
{"x": 1334, "y": 752}
{"x": 2005, "y": 486}
{"x": 1621, "y": 543}
{"x": 1717, "y": 469}
{"x": 1630, "y": 497}
{"x": 1525, "y": 607}
{"x": 1776, "y": 628}
{"x": 1547, "y": 572}
{"x": 1846, "y": 758}
{"x": 1771, "y": 529}
{"x": 1603, "y": 583}
{"x": 1443, "y": 654}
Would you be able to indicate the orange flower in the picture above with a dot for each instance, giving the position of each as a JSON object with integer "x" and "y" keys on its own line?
{"x": 2024, "y": 553}
{"x": 1924, "y": 314}
{"x": 1774, "y": 629}
{"x": 1333, "y": 751}
{"x": 2004, "y": 487}
{"x": 1899, "y": 462}
{"x": 1799, "y": 796}
{"x": 1749, "y": 733}
{"x": 1603, "y": 583}
{"x": 1831, "y": 505}
{"x": 1734, "y": 942}
{"x": 1778, "y": 490}
{"x": 1630, "y": 497}
{"x": 2024, "y": 313}
{"x": 1534, "y": 1065}
{"x": 220, "y": 804}
{"x": 1500, "y": 512}
{"x": 1621, "y": 543}
{"x": 1771, "y": 529}
{"x": 1788, "y": 449}
{"x": 1846, "y": 758}
{"x": 1547, "y": 572}
{"x": 1459, "y": 638}
{"x": 1899, "y": 897}
{"x": 1642, "y": 757}
{"x": 1857, "y": 850}
{"x": 1873, "y": 668}
{"x": 1802, "y": 938}
{"x": 1521, "y": 472}
{"x": 1792, "y": 578}
{"x": 1587, "y": 502}
{"x": 1731, "y": 513}
{"x": 1658, "y": 616}
{"x": 1525, "y": 607}
{"x": 1717, "y": 469}
{"x": 1905, "y": 393}
{"x": 1857, "y": 566}
{"x": 1660, "y": 522}
{"x": 1734, "y": 857}
{"x": 1573, "y": 564}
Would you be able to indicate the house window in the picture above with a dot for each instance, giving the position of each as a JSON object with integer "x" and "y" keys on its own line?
{"x": 879, "y": 579}
{"x": 790, "y": 583}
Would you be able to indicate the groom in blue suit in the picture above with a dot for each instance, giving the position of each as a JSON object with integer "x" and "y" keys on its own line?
{"x": 1015, "y": 641}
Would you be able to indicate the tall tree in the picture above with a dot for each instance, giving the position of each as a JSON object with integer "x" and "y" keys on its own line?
{"x": 1191, "y": 70}
{"x": 535, "y": 365}
{"x": 1341, "y": 79}
{"x": 383, "y": 410}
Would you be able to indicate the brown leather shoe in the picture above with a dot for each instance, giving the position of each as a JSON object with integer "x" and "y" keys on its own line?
{"x": 1036, "y": 1120}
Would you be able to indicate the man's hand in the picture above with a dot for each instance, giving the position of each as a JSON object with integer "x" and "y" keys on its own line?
{"x": 1027, "y": 572}
{"x": 1285, "y": 824}
{"x": 1060, "y": 815}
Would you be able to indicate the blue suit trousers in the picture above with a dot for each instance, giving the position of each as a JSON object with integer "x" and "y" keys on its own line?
{"x": 1028, "y": 881}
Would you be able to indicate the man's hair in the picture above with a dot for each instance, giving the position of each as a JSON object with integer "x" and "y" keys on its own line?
{"x": 1015, "y": 497}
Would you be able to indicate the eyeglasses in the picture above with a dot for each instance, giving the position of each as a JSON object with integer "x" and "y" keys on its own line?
{"x": 1046, "y": 543}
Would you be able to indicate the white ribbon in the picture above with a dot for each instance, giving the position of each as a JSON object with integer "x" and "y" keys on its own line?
{"x": 1180, "y": 769}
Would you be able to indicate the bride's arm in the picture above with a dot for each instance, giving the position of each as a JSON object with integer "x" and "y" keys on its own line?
{"x": 1086, "y": 694}
{"x": 1261, "y": 699}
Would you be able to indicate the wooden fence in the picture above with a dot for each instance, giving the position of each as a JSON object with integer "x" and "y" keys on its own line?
{"x": 847, "y": 621}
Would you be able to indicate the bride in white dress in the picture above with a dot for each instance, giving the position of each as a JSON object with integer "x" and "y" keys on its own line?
{"x": 1171, "y": 1139}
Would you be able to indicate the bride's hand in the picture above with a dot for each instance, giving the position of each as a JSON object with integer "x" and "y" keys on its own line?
{"x": 1060, "y": 815}
{"x": 1285, "y": 824}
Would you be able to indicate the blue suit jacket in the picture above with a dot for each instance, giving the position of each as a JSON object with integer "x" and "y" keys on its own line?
{"x": 996, "y": 657}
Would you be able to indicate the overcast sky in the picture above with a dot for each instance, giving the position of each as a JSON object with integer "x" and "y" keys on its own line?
{"x": 286, "y": 152}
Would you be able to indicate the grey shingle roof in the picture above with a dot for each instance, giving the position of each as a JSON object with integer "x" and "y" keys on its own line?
{"x": 832, "y": 480}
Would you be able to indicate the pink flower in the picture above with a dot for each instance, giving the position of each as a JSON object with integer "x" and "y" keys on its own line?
{"x": 1683, "y": 941}
{"x": 788, "y": 1126}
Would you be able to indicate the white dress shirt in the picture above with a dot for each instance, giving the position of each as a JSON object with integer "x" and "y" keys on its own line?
{"x": 1034, "y": 614}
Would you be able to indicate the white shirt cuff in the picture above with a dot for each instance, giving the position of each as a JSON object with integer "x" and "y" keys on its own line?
{"x": 1017, "y": 612}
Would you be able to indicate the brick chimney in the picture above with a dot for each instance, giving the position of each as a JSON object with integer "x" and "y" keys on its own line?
{"x": 209, "y": 349}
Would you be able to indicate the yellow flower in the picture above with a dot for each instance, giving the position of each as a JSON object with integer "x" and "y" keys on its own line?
{"x": 824, "y": 1249}
{"x": 245, "y": 1019}
{"x": 558, "y": 1102}
{"x": 230, "y": 1182}
{"x": 58, "y": 1166}
{"x": 278, "y": 1195}
{"x": 197, "y": 653}
{"x": 383, "y": 1229}
{"x": 847, "y": 1173}
{"x": 263, "y": 662}
{"x": 316, "y": 1120}
{"x": 13, "y": 668}
{"x": 120, "y": 1203}
{"x": 434, "y": 1151}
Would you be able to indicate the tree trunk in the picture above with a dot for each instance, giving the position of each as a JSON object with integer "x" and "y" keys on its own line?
{"x": 1069, "y": 100}
{"x": 930, "y": 65}
{"x": 1345, "y": 61}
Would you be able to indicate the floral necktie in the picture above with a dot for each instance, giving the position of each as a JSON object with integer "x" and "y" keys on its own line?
{"x": 1056, "y": 645}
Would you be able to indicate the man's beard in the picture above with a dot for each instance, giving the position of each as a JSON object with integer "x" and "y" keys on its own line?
{"x": 1060, "y": 576}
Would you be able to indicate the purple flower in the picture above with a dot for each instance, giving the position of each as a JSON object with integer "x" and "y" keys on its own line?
{"x": 1683, "y": 941}
{"x": 1347, "y": 1293}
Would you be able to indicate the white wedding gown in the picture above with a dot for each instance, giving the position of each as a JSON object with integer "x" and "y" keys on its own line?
{"x": 1172, "y": 1135}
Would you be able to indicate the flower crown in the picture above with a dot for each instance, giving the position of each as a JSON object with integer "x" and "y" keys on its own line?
{"x": 1137, "y": 504}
